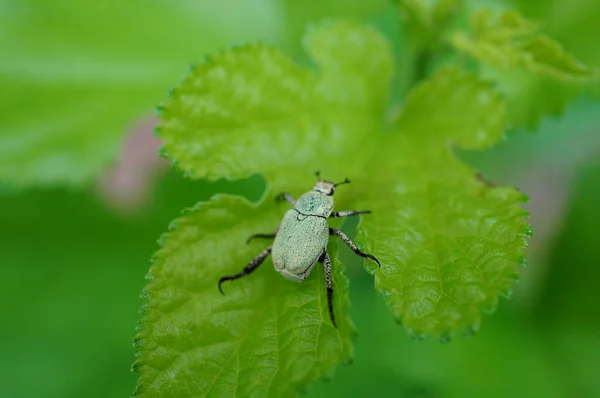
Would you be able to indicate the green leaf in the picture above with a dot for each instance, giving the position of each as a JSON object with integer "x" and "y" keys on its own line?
{"x": 448, "y": 241}
{"x": 298, "y": 14}
{"x": 266, "y": 337}
{"x": 535, "y": 73}
{"x": 530, "y": 98}
{"x": 510, "y": 41}
{"x": 72, "y": 88}
{"x": 572, "y": 24}
{"x": 253, "y": 110}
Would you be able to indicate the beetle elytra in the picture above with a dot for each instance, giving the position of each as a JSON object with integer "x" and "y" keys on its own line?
{"x": 301, "y": 239}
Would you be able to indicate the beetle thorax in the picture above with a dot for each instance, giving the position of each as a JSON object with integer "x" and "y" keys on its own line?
{"x": 315, "y": 204}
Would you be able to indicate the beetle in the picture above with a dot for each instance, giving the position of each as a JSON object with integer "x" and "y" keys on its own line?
{"x": 301, "y": 238}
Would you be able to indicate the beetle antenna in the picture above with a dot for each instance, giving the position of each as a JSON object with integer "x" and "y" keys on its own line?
{"x": 346, "y": 181}
{"x": 318, "y": 174}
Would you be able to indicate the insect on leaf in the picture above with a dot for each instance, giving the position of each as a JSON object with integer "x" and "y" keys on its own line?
{"x": 448, "y": 243}
{"x": 251, "y": 109}
{"x": 266, "y": 337}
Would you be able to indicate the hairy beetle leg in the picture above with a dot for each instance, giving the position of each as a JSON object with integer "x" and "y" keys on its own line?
{"x": 327, "y": 263}
{"x": 258, "y": 260}
{"x": 346, "y": 239}
{"x": 285, "y": 196}
{"x": 337, "y": 214}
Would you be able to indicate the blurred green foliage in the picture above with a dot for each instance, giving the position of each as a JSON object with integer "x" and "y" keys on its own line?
{"x": 72, "y": 272}
{"x": 76, "y": 77}
{"x": 72, "y": 267}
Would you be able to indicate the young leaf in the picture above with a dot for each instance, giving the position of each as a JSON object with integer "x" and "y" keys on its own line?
{"x": 266, "y": 337}
{"x": 571, "y": 24}
{"x": 535, "y": 73}
{"x": 297, "y": 14}
{"x": 448, "y": 241}
{"x": 253, "y": 110}
{"x": 510, "y": 41}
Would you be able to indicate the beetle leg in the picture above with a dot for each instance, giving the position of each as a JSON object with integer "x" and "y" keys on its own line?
{"x": 327, "y": 263}
{"x": 285, "y": 196}
{"x": 262, "y": 236}
{"x": 248, "y": 268}
{"x": 355, "y": 249}
{"x": 337, "y": 214}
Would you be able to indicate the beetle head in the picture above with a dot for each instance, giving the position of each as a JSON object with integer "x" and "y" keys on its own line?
{"x": 324, "y": 187}
{"x": 327, "y": 187}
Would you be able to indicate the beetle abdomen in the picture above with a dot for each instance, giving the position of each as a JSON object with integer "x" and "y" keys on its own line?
{"x": 299, "y": 243}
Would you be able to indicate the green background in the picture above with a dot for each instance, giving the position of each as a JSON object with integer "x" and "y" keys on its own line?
{"x": 73, "y": 266}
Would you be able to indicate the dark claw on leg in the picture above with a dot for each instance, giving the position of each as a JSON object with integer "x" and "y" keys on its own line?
{"x": 223, "y": 279}
{"x": 352, "y": 246}
{"x": 248, "y": 269}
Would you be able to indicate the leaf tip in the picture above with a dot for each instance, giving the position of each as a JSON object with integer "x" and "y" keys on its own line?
{"x": 156, "y": 131}
{"x": 522, "y": 261}
{"x": 159, "y": 111}
{"x": 145, "y": 295}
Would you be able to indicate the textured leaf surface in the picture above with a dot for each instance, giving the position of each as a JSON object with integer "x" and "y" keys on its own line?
{"x": 253, "y": 110}
{"x": 267, "y": 337}
{"x": 450, "y": 243}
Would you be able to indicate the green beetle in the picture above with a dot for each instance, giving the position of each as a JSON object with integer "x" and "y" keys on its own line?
{"x": 301, "y": 239}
